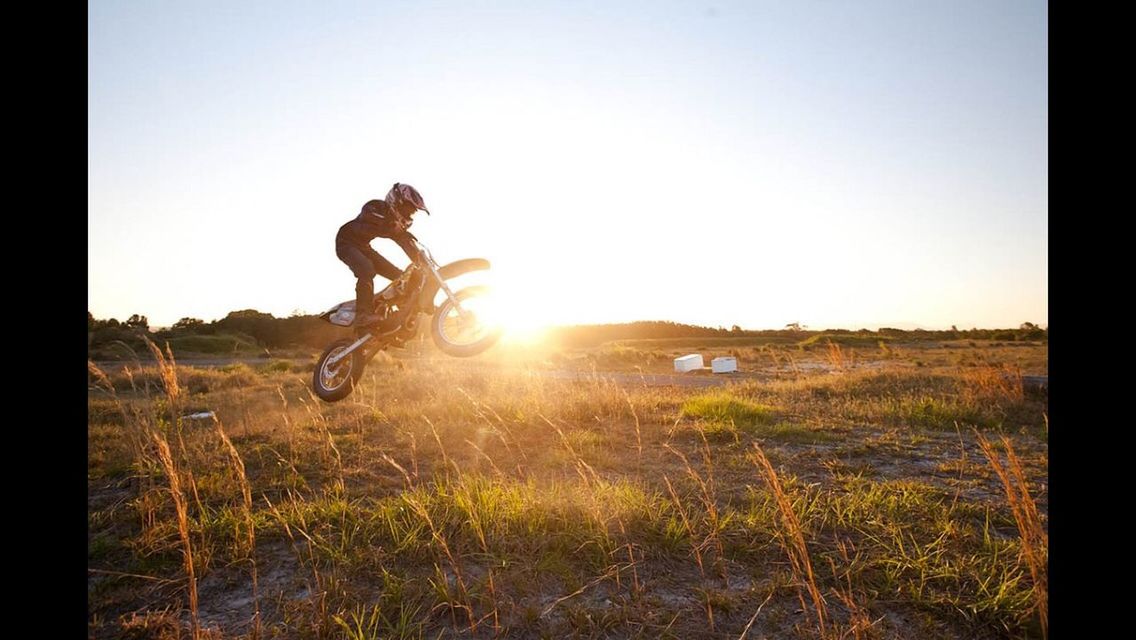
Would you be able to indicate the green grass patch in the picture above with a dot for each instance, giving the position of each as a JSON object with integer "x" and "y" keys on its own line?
{"x": 722, "y": 410}
{"x": 845, "y": 340}
{"x": 665, "y": 344}
{"x": 275, "y": 366}
{"x": 221, "y": 344}
{"x": 795, "y": 433}
{"x": 935, "y": 413}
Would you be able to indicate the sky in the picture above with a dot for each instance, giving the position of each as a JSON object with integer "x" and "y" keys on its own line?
{"x": 833, "y": 164}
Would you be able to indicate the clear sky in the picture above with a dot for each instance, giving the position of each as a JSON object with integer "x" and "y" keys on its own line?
{"x": 836, "y": 164}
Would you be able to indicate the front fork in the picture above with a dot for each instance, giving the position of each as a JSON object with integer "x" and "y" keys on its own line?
{"x": 445, "y": 287}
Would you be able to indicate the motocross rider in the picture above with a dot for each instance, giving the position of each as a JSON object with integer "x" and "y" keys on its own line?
{"x": 386, "y": 218}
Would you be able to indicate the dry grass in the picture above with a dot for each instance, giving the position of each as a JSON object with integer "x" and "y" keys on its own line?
{"x": 442, "y": 500}
{"x": 839, "y": 358}
{"x": 1034, "y": 539}
{"x": 182, "y": 511}
{"x": 793, "y": 542}
{"x": 250, "y": 526}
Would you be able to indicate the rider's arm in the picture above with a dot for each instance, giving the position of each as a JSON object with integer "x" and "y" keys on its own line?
{"x": 405, "y": 240}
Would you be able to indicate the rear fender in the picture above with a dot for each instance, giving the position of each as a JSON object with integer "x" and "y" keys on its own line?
{"x": 342, "y": 314}
{"x": 452, "y": 270}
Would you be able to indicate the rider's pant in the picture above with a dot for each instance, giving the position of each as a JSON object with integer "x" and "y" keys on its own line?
{"x": 365, "y": 262}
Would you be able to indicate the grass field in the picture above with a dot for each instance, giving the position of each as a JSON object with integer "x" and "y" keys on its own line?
{"x": 841, "y": 491}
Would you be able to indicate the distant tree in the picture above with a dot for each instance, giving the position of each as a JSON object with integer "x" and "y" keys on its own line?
{"x": 138, "y": 322}
{"x": 94, "y": 324}
{"x": 263, "y": 327}
{"x": 188, "y": 323}
{"x": 795, "y": 326}
{"x": 735, "y": 329}
{"x": 1030, "y": 331}
{"x": 248, "y": 314}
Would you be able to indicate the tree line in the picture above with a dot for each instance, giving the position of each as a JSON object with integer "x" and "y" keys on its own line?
{"x": 244, "y": 331}
{"x": 251, "y": 330}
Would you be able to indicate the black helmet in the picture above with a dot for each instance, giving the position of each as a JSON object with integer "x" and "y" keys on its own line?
{"x": 402, "y": 195}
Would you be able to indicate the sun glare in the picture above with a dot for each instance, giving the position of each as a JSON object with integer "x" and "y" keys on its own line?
{"x": 519, "y": 319}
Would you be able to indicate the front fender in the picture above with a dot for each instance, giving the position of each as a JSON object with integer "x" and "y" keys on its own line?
{"x": 452, "y": 270}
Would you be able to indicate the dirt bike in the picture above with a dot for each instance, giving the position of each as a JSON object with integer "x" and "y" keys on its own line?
{"x": 460, "y": 325}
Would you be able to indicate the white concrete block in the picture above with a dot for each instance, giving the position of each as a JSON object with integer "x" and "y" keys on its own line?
{"x": 688, "y": 363}
{"x": 724, "y": 364}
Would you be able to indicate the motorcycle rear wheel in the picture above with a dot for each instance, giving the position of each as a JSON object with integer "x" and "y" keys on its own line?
{"x": 335, "y": 382}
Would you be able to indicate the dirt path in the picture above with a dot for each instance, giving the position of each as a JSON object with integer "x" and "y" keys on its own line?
{"x": 658, "y": 379}
{"x": 691, "y": 379}
{"x": 652, "y": 379}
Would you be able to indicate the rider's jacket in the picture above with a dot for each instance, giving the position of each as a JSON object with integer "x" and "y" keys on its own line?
{"x": 383, "y": 223}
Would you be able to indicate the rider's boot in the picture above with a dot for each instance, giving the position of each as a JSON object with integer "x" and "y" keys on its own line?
{"x": 367, "y": 319}
{"x": 365, "y": 303}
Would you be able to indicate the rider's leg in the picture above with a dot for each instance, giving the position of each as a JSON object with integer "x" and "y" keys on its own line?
{"x": 382, "y": 266}
{"x": 387, "y": 270}
{"x": 364, "y": 269}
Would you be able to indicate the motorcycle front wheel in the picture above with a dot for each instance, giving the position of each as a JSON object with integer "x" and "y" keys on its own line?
{"x": 332, "y": 382}
{"x": 468, "y": 331}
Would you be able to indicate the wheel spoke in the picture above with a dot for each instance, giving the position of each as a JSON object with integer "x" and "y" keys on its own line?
{"x": 462, "y": 330}
{"x": 334, "y": 376}
{"x": 465, "y": 326}
{"x": 470, "y": 330}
